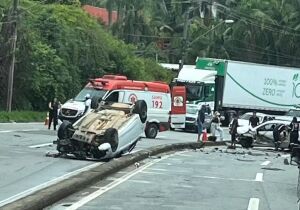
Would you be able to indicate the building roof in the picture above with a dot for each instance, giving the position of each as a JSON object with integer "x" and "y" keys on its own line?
{"x": 100, "y": 13}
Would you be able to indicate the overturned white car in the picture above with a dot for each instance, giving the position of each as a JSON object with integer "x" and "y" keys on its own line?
{"x": 106, "y": 132}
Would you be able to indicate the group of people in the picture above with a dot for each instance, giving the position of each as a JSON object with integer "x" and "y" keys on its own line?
{"x": 253, "y": 122}
{"x": 215, "y": 123}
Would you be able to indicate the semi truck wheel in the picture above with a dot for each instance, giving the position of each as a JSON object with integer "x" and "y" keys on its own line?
{"x": 151, "y": 130}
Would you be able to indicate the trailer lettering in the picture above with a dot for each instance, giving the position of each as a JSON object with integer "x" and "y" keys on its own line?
{"x": 270, "y": 81}
{"x": 295, "y": 88}
{"x": 269, "y": 92}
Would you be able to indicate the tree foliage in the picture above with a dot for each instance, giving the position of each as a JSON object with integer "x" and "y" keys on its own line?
{"x": 59, "y": 47}
{"x": 263, "y": 31}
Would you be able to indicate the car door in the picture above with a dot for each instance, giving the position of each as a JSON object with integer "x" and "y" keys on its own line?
{"x": 265, "y": 132}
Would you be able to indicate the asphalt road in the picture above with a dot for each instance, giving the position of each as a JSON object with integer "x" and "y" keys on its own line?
{"x": 202, "y": 180}
{"x": 25, "y": 167}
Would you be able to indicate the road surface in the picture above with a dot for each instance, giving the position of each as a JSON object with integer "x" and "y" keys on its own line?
{"x": 201, "y": 180}
{"x": 25, "y": 168}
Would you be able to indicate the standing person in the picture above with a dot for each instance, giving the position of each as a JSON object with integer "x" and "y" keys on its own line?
{"x": 276, "y": 135}
{"x": 253, "y": 120}
{"x": 200, "y": 121}
{"x": 53, "y": 112}
{"x": 294, "y": 135}
{"x": 215, "y": 125}
{"x": 233, "y": 130}
{"x": 87, "y": 103}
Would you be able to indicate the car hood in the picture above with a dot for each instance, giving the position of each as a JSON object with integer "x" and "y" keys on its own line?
{"x": 75, "y": 105}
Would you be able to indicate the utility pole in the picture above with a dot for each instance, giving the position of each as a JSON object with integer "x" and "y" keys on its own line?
{"x": 13, "y": 48}
{"x": 185, "y": 37}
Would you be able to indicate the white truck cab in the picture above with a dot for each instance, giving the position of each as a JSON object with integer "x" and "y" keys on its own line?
{"x": 200, "y": 90}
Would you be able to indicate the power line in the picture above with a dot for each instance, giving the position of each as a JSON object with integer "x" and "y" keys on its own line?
{"x": 287, "y": 55}
{"x": 263, "y": 53}
{"x": 269, "y": 26}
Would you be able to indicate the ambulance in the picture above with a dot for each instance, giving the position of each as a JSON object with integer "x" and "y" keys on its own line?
{"x": 164, "y": 105}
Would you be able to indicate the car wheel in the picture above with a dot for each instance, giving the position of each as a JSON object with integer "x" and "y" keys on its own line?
{"x": 151, "y": 131}
{"x": 111, "y": 137}
{"x": 140, "y": 108}
{"x": 65, "y": 130}
{"x": 245, "y": 141}
{"x": 95, "y": 102}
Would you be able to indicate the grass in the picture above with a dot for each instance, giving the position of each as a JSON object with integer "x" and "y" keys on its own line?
{"x": 22, "y": 116}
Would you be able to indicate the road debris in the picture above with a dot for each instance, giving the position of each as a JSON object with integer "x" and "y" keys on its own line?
{"x": 137, "y": 164}
{"x": 286, "y": 161}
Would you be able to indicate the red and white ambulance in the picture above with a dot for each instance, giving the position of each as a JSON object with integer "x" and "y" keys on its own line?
{"x": 163, "y": 104}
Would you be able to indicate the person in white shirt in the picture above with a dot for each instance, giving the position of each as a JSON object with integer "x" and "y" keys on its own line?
{"x": 87, "y": 103}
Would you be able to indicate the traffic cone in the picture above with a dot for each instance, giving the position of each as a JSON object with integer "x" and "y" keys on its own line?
{"x": 47, "y": 119}
{"x": 204, "y": 135}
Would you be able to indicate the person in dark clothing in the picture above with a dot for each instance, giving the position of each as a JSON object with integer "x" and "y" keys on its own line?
{"x": 253, "y": 120}
{"x": 276, "y": 135}
{"x": 53, "y": 109}
{"x": 200, "y": 121}
{"x": 233, "y": 130}
{"x": 294, "y": 134}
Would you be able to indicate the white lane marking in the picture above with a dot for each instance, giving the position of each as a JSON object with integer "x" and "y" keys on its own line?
{"x": 221, "y": 178}
{"x": 152, "y": 172}
{"x": 46, "y": 184}
{"x": 111, "y": 178}
{"x": 7, "y": 131}
{"x": 112, "y": 185}
{"x": 11, "y": 131}
{"x": 122, "y": 172}
{"x": 40, "y": 145}
{"x": 253, "y": 204}
{"x": 176, "y": 159}
{"x": 140, "y": 181}
{"x": 161, "y": 137}
{"x": 186, "y": 186}
{"x": 26, "y": 130}
{"x": 184, "y": 155}
{"x": 265, "y": 163}
{"x": 157, "y": 169}
{"x": 259, "y": 177}
{"x": 95, "y": 187}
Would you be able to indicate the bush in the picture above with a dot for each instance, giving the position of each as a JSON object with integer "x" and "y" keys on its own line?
{"x": 25, "y": 116}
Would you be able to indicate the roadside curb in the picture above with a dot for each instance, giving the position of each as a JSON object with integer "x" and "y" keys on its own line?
{"x": 52, "y": 194}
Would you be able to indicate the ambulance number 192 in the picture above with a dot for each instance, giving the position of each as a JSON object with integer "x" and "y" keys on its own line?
{"x": 157, "y": 104}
